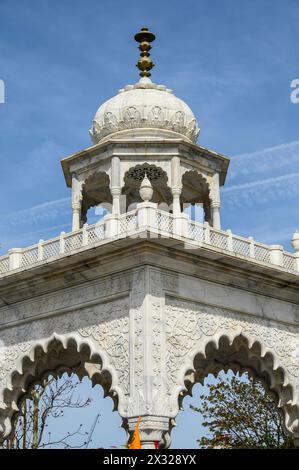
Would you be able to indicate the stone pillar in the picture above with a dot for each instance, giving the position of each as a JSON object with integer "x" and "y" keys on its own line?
{"x": 76, "y": 208}
{"x": 115, "y": 187}
{"x": 176, "y": 185}
{"x": 216, "y": 215}
{"x": 15, "y": 258}
{"x": 148, "y": 392}
{"x": 111, "y": 225}
{"x": 215, "y": 204}
{"x": 152, "y": 429}
{"x": 76, "y": 202}
{"x": 115, "y": 192}
{"x": 276, "y": 255}
{"x": 176, "y": 204}
{"x": 146, "y": 214}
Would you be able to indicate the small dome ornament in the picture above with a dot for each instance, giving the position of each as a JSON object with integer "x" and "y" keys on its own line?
{"x": 146, "y": 190}
{"x": 145, "y": 63}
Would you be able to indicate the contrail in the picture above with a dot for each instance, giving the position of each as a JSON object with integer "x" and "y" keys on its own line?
{"x": 264, "y": 182}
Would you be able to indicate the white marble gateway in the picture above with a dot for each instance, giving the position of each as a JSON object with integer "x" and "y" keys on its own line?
{"x": 148, "y": 302}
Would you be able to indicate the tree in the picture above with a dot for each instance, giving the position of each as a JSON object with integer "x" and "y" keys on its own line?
{"x": 47, "y": 400}
{"x": 239, "y": 413}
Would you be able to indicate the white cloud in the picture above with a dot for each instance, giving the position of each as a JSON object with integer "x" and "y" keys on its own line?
{"x": 254, "y": 189}
{"x": 39, "y": 213}
{"x": 263, "y": 161}
{"x": 262, "y": 191}
{"x": 266, "y": 183}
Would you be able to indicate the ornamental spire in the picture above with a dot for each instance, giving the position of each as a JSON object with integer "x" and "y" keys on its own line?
{"x": 145, "y": 63}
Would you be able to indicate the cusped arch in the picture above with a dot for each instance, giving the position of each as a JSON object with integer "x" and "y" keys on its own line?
{"x": 56, "y": 355}
{"x": 159, "y": 181}
{"x": 196, "y": 190}
{"x": 95, "y": 191}
{"x": 241, "y": 353}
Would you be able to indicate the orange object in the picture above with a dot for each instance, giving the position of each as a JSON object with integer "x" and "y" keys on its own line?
{"x": 135, "y": 442}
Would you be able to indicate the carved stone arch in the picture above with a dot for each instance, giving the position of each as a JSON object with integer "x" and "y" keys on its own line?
{"x": 241, "y": 353}
{"x": 54, "y": 356}
{"x": 158, "y": 178}
{"x": 196, "y": 190}
{"x": 95, "y": 191}
{"x": 126, "y": 166}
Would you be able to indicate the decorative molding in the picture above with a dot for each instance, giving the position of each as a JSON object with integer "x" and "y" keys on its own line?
{"x": 106, "y": 324}
{"x": 158, "y": 108}
{"x": 69, "y": 298}
{"x": 132, "y": 119}
{"x": 170, "y": 282}
{"x": 137, "y": 359}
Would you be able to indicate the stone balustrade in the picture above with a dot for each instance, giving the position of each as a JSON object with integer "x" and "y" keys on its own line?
{"x": 159, "y": 223}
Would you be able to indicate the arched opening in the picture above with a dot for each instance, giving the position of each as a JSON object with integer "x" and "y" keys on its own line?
{"x": 55, "y": 358}
{"x": 96, "y": 198}
{"x": 195, "y": 197}
{"x": 66, "y": 413}
{"x": 226, "y": 358}
{"x": 158, "y": 178}
{"x": 228, "y": 411}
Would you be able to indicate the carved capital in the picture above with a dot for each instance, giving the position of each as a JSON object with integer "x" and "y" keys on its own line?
{"x": 152, "y": 430}
{"x": 76, "y": 206}
{"x": 215, "y": 204}
{"x": 115, "y": 191}
{"x": 176, "y": 190}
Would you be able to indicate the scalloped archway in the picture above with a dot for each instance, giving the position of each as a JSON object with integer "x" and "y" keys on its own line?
{"x": 158, "y": 178}
{"x": 55, "y": 356}
{"x": 196, "y": 190}
{"x": 239, "y": 353}
{"x": 95, "y": 191}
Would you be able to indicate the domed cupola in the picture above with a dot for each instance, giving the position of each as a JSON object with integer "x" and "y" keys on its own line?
{"x": 145, "y": 152}
{"x": 145, "y": 109}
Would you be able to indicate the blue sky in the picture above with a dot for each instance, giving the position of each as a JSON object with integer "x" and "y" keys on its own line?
{"x": 232, "y": 62}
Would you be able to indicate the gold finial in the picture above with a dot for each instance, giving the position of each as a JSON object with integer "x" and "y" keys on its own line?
{"x": 145, "y": 63}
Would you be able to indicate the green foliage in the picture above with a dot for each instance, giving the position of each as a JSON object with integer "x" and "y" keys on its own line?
{"x": 239, "y": 413}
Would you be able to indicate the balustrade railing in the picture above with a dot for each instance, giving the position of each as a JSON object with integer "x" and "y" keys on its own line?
{"x": 164, "y": 223}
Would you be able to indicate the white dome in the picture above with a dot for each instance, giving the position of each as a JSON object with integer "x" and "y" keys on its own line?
{"x": 144, "y": 109}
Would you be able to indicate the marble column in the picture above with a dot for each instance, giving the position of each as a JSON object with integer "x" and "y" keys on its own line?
{"x": 76, "y": 209}
{"x": 176, "y": 185}
{"x": 115, "y": 187}
{"x": 76, "y": 203}
{"x": 215, "y": 201}
{"x": 216, "y": 215}
{"x": 176, "y": 204}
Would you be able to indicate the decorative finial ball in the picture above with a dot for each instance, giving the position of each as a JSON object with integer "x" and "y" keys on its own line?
{"x": 146, "y": 190}
{"x": 145, "y": 63}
